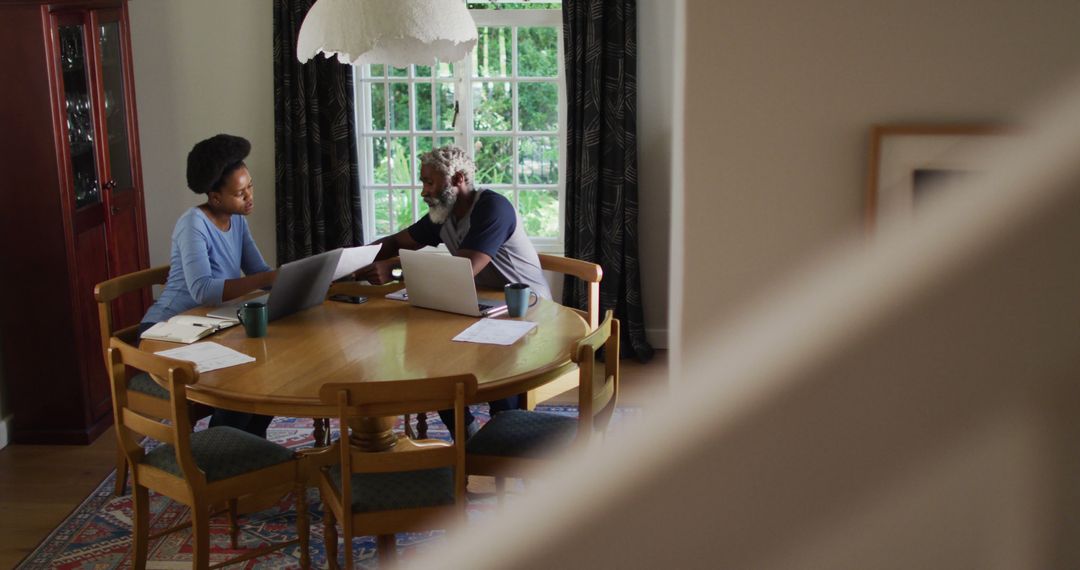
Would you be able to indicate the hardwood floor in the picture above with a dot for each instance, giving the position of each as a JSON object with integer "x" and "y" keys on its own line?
{"x": 41, "y": 484}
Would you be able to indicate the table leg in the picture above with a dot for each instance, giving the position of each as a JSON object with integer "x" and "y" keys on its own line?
{"x": 373, "y": 434}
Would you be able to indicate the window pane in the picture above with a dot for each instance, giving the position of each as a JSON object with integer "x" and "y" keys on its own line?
{"x": 493, "y": 156}
{"x": 445, "y": 107}
{"x": 403, "y": 212}
{"x": 423, "y": 144}
{"x": 399, "y": 72}
{"x": 491, "y": 106}
{"x": 492, "y": 54}
{"x": 382, "y": 212}
{"x": 444, "y": 141}
{"x": 538, "y": 52}
{"x": 399, "y": 106}
{"x": 423, "y": 106}
{"x": 422, "y": 70}
{"x": 376, "y": 70}
{"x": 381, "y": 161}
{"x": 538, "y": 106}
{"x": 446, "y": 69}
{"x": 538, "y": 160}
{"x": 540, "y": 212}
{"x": 401, "y": 167}
{"x": 378, "y": 106}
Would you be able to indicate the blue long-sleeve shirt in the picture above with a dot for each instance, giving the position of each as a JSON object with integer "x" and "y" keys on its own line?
{"x": 201, "y": 259}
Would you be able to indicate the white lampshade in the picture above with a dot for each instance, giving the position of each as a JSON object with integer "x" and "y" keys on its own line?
{"x": 394, "y": 32}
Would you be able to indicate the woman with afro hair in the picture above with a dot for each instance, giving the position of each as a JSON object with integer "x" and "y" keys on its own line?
{"x": 213, "y": 257}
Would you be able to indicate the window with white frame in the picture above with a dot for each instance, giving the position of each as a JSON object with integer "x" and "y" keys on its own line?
{"x": 505, "y": 104}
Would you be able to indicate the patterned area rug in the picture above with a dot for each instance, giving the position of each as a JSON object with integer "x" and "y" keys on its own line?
{"x": 97, "y": 534}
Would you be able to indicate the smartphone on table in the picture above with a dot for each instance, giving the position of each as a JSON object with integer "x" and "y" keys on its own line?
{"x": 354, "y": 299}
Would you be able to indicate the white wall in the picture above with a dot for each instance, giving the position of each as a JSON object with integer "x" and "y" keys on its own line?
{"x": 202, "y": 67}
{"x": 779, "y": 100}
{"x": 656, "y": 34}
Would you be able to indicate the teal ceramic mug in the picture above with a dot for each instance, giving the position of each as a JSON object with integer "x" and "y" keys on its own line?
{"x": 254, "y": 316}
{"x": 519, "y": 297}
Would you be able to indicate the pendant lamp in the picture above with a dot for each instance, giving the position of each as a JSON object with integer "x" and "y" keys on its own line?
{"x": 393, "y": 32}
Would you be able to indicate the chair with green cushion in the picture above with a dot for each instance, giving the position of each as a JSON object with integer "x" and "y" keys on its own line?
{"x": 517, "y": 442}
{"x": 407, "y": 488}
{"x": 142, "y": 390}
{"x": 216, "y": 466}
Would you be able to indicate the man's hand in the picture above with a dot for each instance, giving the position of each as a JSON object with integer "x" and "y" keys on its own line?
{"x": 377, "y": 273}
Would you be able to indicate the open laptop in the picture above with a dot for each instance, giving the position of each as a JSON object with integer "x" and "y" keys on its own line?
{"x": 299, "y": 285}
{"x": 445, "y": 283}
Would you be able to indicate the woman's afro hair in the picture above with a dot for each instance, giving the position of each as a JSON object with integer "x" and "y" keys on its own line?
{"x": 208, "y": 160}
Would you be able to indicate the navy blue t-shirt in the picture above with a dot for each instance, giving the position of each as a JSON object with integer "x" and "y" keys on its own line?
{"x": 490, "y": 227}
{"x": 491, "y": 224}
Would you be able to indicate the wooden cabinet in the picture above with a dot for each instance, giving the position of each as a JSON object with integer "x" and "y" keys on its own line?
{"x": 73, "y": 208}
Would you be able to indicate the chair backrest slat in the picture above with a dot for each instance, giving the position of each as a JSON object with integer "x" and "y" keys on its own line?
{"x": 438, "y": 454}
{"x": 143, "y": 425}
{"x": 398, "y": 396}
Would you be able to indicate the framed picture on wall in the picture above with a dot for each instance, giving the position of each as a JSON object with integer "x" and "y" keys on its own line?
{"x": 910, "y": 163}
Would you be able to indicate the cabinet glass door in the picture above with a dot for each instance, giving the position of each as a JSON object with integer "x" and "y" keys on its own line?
{"x": 79, "y": 109}
{"x": 112, "y": 75}
{"x": 121, "y": 195}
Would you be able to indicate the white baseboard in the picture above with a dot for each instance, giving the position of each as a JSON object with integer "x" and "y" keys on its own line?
{"x": 658, "y": 338}
{"x": 5, "y": 431}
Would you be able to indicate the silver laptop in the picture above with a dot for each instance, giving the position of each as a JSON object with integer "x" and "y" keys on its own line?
{"x": 299, "y": 285}
{"x": 445, "y": 283}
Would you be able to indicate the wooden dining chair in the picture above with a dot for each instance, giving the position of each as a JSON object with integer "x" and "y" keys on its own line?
{"x": 141, "y": 389}
{"x": 517, "y": 442}
{"x": 591, "y": 274}
{"x": 215, "y": 466}
{"x": 407, "y": 488}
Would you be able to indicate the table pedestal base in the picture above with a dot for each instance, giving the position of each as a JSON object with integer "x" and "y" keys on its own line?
{"x": 373, "y": 434}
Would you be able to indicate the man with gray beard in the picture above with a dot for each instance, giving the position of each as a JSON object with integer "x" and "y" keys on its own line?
{"x": 478, "y": 224}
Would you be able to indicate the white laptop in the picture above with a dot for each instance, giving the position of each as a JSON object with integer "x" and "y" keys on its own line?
{"x": 299, "y": 285}
{"x": 445, "y": 283}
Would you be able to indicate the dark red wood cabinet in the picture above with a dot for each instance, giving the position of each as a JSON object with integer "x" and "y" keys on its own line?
{"x": 73, "y": 209}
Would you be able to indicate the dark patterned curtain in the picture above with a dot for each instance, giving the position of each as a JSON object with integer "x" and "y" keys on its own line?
{"x": 601, "y": 149}
{"x": 318, "y": 192}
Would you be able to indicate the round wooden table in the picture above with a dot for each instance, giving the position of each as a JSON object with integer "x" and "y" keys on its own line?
{"x": 377, "y": 340}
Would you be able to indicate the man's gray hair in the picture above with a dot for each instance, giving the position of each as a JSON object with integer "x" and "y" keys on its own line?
{"x": 450, "y": 160}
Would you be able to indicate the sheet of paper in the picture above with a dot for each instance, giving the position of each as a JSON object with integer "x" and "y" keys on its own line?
{"x": 207, "y": 356}
{"x": 353, "y": 258}
{"x": 495, "y": 331}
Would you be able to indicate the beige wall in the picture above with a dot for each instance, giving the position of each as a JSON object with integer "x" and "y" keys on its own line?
{"x": 202, "y": 67}
{"x": 656, "y": 40}
{"x": 779, "y": 99}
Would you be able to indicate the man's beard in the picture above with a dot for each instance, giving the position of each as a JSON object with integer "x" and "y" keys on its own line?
{"x": 439, "y": 209}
